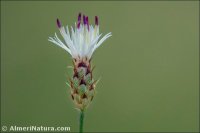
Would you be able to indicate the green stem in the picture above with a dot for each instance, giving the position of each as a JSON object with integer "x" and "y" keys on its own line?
{"x": 81, "y": 121}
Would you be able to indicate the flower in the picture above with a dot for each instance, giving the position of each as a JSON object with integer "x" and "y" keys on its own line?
{"x": 83, "y": 40}
{"x": 81, "y": 44}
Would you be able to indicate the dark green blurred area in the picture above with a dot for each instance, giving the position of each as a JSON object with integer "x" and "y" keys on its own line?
{"x": 149, "y": 67}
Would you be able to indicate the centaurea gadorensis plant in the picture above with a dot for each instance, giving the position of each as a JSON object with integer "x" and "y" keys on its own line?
{"x": 81, "y": 43}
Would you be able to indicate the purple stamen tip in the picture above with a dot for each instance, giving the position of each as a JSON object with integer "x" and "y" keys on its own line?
{"x": 79, "y": 17}
{"x": 58, "y": 23}
{"x": 84, "y": 19}
{"x": 87, "y": 21}
{"x": 96, "y": 20}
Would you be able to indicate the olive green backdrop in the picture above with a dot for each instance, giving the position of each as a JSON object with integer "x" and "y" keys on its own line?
{"x": 149, "y": 67}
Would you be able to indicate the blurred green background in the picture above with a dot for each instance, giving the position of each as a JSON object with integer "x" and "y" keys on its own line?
{"x": 149, "y": 67}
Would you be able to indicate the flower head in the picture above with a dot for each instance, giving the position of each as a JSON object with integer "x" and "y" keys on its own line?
{"x": 81, "y": 43}
{"x": 83, "y": 40}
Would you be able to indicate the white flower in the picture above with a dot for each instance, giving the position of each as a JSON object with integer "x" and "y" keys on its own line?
{"x": 83, "y": 40}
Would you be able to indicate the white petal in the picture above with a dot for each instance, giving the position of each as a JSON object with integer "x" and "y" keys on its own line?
{"x": 98, "y": 44}
{"x": 103, "y": 39}
{"x": 92, "y": 46}
{"x": 59, "y": 43}
{"x": 68, "y": 41}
